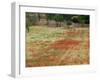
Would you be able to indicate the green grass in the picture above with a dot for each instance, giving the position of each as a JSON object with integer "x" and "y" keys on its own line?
{"x": 44, "y": 33}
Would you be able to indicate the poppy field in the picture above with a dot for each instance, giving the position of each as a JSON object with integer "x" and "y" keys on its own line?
{"x": 57, "y": 46}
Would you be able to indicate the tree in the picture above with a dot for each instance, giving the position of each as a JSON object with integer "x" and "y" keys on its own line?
{"x": 84, "y": 19}
{"x": 58, "y": 18}
{"x": 31, "y": 20}
{"x": 67, "y": 19}
{"x": 50, "y": 17}
{"x": 75, "y": 19}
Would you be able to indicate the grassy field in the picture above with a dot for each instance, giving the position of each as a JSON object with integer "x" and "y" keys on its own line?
{"x": 52, "y": 46}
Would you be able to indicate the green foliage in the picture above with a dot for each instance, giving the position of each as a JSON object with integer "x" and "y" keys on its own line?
{"x": 33, "y": 18}
{"x": 69, "y": 22}
{"x": 56, "y": 17}
{"x": 59, "y": 17}
{"x": 84, "y": 19}
{"x": 67, "y": 17}
{"x": 50, "y": 16}
{"x": 30, "y": 19}
{"x": 75, "y": 19}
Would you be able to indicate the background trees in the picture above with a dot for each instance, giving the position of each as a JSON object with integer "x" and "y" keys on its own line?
{"x": 68, "y": 19}
{"x": 31, "y": 20}
{"x": 58, "y": 18}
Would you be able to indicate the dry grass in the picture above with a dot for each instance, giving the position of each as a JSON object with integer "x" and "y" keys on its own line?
{"x": 47, "y": 46}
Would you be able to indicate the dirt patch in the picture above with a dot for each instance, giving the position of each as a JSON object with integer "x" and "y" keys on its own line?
{"x": 65, "y": 44}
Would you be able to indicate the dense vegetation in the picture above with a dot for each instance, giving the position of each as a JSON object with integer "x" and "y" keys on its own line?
{"x": 68, "y": 19}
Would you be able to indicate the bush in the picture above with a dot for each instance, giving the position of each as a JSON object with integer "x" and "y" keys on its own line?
{"x": 69, "y": 23}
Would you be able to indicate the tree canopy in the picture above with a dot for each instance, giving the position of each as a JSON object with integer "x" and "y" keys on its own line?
{"x": 33, "y": 18}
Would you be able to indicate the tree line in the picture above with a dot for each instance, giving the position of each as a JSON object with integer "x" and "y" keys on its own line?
{"x": 68, "y": 19}
{"x": 32, "y": 18}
